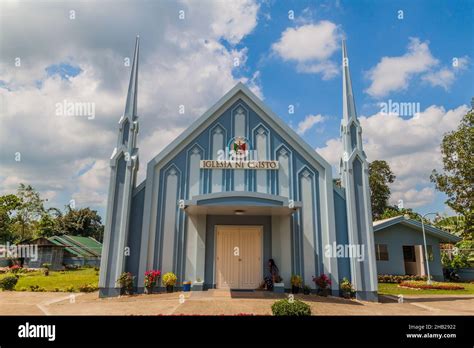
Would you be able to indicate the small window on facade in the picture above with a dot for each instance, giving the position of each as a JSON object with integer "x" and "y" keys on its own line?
{"x": 409, "y": 253}
{"x": 429, "y": 249}
{"x": 381, "y": 252}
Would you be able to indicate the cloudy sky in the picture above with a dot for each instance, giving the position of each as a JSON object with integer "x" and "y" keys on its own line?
{"x": 287, "y": 52}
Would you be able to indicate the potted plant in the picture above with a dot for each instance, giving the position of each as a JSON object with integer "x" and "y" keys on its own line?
{"x": 198, "y": 285}
{"x": 296, "y": 282}
{"x": 125, "y": 282}
{"x": 323, "y": 282}
{"x": 346, "y": 288}
{"x": 306, "y": 290}
{"x": 46, "y": 268}
{"x": 150, "y": 280}
{"x": 169, "y": 280}
{"x": 187, "y": 285}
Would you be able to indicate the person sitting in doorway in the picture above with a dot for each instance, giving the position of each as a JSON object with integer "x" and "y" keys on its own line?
{"x": 274, "y": 276}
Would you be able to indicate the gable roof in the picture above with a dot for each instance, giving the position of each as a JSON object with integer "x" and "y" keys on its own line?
{"x": 245, "y": 91}
{"x": 429, "y": 229}
{"x": 80, "y": 246}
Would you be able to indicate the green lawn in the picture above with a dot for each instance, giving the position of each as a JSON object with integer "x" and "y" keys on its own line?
{"x": 393, "y": 289}
{"x": 57, "y": 280}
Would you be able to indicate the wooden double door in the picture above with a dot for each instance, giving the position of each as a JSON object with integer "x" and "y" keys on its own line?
{"x": 239, "y": 257}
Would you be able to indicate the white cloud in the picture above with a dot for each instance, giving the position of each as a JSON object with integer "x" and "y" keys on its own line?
{"x": 445, "y": 77}
{"x": 310, "y": 46}
{"x": 394, "y": 73}
{"x": 308, "y": 123}
{"x": 410, "y": 146}
{"x": 182, "y": 62}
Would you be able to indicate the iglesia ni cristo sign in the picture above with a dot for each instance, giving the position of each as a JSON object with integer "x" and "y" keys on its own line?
{"x": 238, "y": 155}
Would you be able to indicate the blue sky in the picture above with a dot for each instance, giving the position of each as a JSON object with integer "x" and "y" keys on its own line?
{"x": 372, "y": 30}
{"x": 190, "y": 62}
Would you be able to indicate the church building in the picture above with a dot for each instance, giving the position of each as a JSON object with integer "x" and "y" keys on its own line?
{"x": 235, "y": 189}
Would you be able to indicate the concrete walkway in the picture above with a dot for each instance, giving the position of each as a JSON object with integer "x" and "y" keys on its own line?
{"x": 221, "y": 302}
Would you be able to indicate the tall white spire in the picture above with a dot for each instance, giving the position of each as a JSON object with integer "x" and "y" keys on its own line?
{"x": 354, "y": 170}
{"x": 131, "y": 105}
{"x": 124, "y": 164}
{"x": 348, "y": 110}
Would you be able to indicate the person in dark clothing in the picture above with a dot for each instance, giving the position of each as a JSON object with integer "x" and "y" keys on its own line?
{"x": 274, "y": 276}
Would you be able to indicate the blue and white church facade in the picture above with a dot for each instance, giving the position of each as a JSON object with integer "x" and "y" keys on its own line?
{"x": 235, "y": 189}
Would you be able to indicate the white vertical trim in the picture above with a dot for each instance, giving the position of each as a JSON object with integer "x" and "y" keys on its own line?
{"x": 169, "y": 224}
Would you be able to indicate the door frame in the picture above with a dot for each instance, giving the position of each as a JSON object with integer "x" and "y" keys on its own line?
{"x": 262, "y": 240}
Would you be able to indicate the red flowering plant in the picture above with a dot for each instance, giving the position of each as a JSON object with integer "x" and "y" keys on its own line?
{"x": 15, "y": 269}
{"x": 151, "y": 278}
{"x": 323, "y": 281}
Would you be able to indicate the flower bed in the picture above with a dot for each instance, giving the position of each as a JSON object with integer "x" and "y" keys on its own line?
{"x": 432, "y": 286}
{"x": 396, "y": 279}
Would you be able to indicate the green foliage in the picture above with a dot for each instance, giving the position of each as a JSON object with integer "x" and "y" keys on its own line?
{"x": 346, "y": 285}
{"x": 88, "y": 288}
{"x": 8, "y": 206}
{"x": 126, "y": 282}
{"x": 452, "y": 224}
{"x": 457, "y": 180}
{"x": 396, "y": 279}
{"x": 82, "y": 222}
{"x": 28, "y": 212}
{"x": 8, "y": 282}
{"x": 49, "y": 223}
{"x": 70, "y": 288}
{"x": 456, "y": 260}
{"x": 393, "y": 211}
{"x": 37, "y": 288}
{"x": 380, "y": 175}
{"x": 23, "y": 217}
{"x": 290, "y": 308}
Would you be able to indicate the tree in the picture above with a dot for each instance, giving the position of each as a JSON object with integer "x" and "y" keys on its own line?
{"x": 380, "y": 176}
{"x": 453, "y": 224}
{"x": 457, "y": 180}
{"x": 8, "y": 206}
{"x": 394, "y": 211}
{"x": 49, "y": 223}
{"x": 82, "y": 222}
{"x": 28, "y": 212}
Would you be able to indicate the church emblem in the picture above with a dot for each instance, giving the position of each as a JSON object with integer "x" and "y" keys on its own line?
{"x": 239, "y": 148}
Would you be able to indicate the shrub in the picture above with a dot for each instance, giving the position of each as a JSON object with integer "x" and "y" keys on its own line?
{"x": 88, "y": 288}
{"x": 37, "y": 288}
{"x": 290, "y": 308}
{"x": 433, "y": 286}
{"x": 23, "y": 289}
{"x": 8, "y": 282}
{"x": 151, "y": 277}
{"x": 296, "y": 280}
{"x": 323, "y": 281}
{"x": 396, "y": 279}
{"x": 169, "y": 279}
{"x": 346, "y": 285}
{"x": 70, "y": 288}
{"x": 15, "y": 269}
{"x": 126, "y": 282}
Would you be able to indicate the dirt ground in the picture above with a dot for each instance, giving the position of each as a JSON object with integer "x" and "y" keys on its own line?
{"x": 221, "y": 302}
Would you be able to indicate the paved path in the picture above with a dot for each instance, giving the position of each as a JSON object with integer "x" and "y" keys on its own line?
{"x": 220, "y": 302}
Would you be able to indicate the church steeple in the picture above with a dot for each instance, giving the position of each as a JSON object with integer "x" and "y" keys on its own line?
{"x": 354, "y": 170}
{"x": 124, "y": 164}
{"x": 131, "y": 104}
